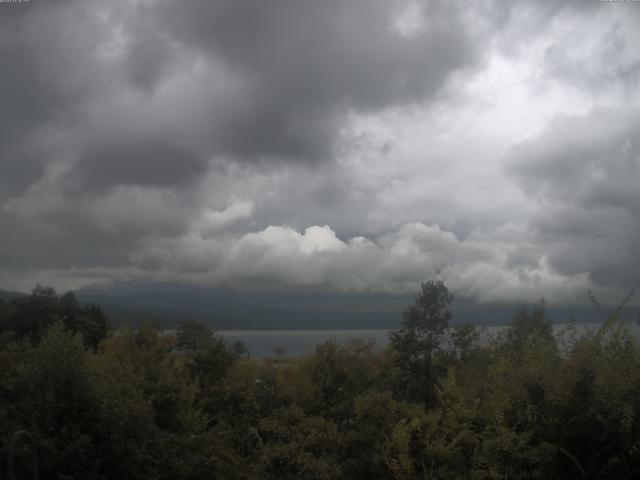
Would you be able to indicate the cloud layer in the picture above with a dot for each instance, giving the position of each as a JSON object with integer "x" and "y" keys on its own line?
{"x": 349, "y": 145}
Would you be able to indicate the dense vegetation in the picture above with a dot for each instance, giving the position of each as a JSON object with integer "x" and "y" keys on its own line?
{"x": 439, "y": 403}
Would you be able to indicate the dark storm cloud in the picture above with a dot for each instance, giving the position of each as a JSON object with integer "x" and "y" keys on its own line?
{"x": 89, "y": 107}
{"x": 139, "y": 161}
{"x": 49, "y": 244}
{"x": 56, "y": 62}
{"x": 339, "y": 51}
{"x": 32, "y": 85}
{"x": 584, "y": 170}
{"x": 217, "y": 141}
{"x": 304, "y": 65}
{"x": 61, "y": 230}
{"x": 52, "y": 68}
{"x": 284, "y": 76}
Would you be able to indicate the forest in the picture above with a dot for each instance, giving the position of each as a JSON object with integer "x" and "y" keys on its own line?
{"x": 438, "y": 403}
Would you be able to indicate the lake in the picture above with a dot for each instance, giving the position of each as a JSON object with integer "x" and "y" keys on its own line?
{"x": 261, "y": 343}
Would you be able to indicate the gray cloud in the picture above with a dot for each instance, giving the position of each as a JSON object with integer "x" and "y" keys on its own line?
{"x": 234, "y": 141}
{"x": 602, "y": 59}
{"x": 299, "y": 67}
{"x": 584, "y": 171}
{"x": 102, "y": 96}
{"x": 139, "y": 161}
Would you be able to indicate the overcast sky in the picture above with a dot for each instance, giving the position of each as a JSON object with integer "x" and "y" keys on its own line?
{"x": 350, "y": 145}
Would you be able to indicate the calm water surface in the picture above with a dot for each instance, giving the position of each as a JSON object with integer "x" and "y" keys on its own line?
{"x": 261, "y": 343}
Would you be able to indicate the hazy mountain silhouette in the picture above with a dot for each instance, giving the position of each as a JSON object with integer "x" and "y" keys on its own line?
{"x": 9, "y": 295}
{"x": 225, "y": 308}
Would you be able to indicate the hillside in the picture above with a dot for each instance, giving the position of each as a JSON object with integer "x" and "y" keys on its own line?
{"x": 167, "y": 304}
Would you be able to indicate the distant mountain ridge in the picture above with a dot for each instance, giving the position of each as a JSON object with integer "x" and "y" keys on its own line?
{"x": 223, "y": 308}
{"x": 10, "y": 295}
{"x": 230, "y": 309}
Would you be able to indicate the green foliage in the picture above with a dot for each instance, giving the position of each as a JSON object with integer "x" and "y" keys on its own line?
{"x": 419, "y": 339}
{"x": 527, "y": 323}
{"x": 208, "y": 358}
{"x": 295, "y": 445}
{"x": 53, "y": 400}
{"x": 337, "y": 374}
{"x": 149, "y": 405}
{"x": 30, "y": 317}
{"x": 464, "y": 340}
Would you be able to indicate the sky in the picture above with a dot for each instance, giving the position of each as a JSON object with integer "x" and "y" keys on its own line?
{"x": 336, "y": 145}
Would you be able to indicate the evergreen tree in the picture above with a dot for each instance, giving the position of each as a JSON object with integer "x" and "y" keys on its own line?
{"x": 419, "y": 338}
